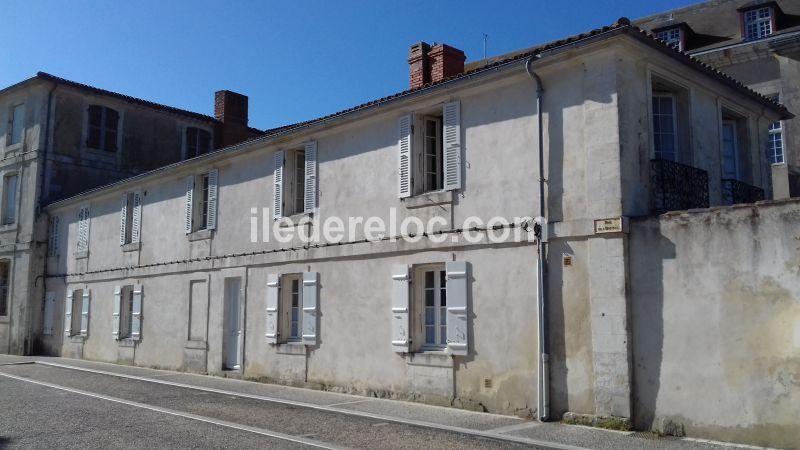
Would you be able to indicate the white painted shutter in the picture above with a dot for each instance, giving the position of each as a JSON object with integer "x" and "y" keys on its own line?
{"x": 404, "y": 156}
{"x": 117, "y": 309}
{"x": 83, "y": 228}
{"x": 401, "y": 340}
{"x": 213, "y": 181}
{"x": 457, "y": 310}
{"x": 68, "y": 314}
{"x": 136, "y": 223}
{"x": 85, "y": 313}
{"x": 123, "y": 219}
{"x": 136, "y": 313}
{"x": 452, "y": 145}
{"x": 189, "y": 205}
{"x": 52, "y": 245}
{"x": 310, "y": 194}
{"x": 310, "y": 307}
{"x": 273, "y": 294}
{"x": 277, "y": 181}
{"x": 49, "y": 311}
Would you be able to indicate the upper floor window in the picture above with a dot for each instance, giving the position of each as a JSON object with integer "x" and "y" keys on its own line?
{"x": 198, "y": 142}
{"x": 775, "y": 141}
{"x": 10, "y": 199}
{"x": 665, "y": 127}
{"x": 430, "y": 160}
{"x": 130, "y": 218}
{"x": 671, "y": 37}
{"x": 295, "y": 181}
{"x": 103, "y": 128}
{"x": 16, "y": 124}
{"x": 83, "y": 229}
{"x": 758, "y": 23}
{"x": 4, "y": 280}
{"x": 201, "y": 202}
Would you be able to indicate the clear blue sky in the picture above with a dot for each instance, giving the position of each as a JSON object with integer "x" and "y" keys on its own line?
{"x": 296, "y": 60}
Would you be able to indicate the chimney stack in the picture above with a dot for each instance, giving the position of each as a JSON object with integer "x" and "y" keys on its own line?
{"x": 230, "y": 108}
{"x": 433, "y": 64}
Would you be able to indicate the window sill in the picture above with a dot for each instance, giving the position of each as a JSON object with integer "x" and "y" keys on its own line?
{"x": 196, "y": 345}
{"x": 428, "y": 199}
{"x": 77, "y": 338}
{"x": 294, "y": 221}
{"x": 430, "y": 358}
{"x": 82, "y": 254}
{"x": 4, "y": 319}
{"x": 11, "y": 150}
{"x": 291, "y": 348}
{"x": 132, "y": 247}
{"x": 200, "y": 235}
{"x": 127, "y": 342}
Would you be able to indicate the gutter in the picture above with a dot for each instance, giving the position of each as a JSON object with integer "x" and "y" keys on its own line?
{"x": 543, "y": 358}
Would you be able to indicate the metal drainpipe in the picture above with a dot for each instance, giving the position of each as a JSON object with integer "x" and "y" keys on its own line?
{"x": 543, "y": 406}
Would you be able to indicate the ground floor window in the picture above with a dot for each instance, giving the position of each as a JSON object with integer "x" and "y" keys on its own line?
{"x": 77, "y": 308}
{"x": 430, "y": 306}
{"x": 292, "y": 307}
{"x": 4, "y": 281}
{"x": 126, "y": 312}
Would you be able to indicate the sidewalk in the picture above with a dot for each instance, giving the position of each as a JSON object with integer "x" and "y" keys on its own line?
{"x": 551, "y": 435}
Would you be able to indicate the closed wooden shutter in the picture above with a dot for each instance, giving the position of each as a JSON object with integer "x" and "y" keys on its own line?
{"x": 401, "y": 339}
{"x": 273, "y": 296}
{"x": 452, "y": 146}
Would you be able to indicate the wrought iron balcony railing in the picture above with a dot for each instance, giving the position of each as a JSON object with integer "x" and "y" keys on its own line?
{"x": 735, "y": 192}
{"x": 676, "y": 186}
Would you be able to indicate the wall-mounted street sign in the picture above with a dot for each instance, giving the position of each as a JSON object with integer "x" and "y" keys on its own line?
{"x": 611, "y": 225}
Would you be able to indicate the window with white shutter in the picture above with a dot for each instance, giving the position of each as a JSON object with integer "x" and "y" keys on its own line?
{"x": 272, "y": 311}
{"x": 310, "y": 307}
{"x": 83, "y": 228}
{"x": 201, "y": 202}
{"x": 68, "y": 304}
{"x": 128, "y": 312}
{"x": 295, "y": 181}
{"x": 310, "y": 189}
{"x": 74, "y": 316}
{"x": 401, "y": 334}
{"x": 85, "y": 313}
{"x": 54, "y": 236}
{"x": 457, "y": 307}
{"x": 290, "y": 327}
{"x": 429, "y": 150}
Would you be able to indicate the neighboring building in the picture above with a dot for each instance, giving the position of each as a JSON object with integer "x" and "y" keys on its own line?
{"x": 184, "y": 279}
{"x": 59, "y": 138}
{"x": 757, "y": 43}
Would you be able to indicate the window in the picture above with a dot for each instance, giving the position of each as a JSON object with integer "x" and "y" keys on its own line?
{"x": 128, "y": 312}
{"x": 4, "y": 280}
{"x": 201, "y": 202}
{"x": 83, "y": 229}
{"x": 10, "y": 199}
{"x": 295, "y": 181}
{"x": 130, "y": 218}
{"x": 757, "y": 23}
{"x": 17, "y": 125}
{"x": 730, "y": 166}
{"x": 671, "y": 37}
{"x": 429, "y": 147}
{"x": 775, "y": 140}
{"x": 292, "y": 307}
{"x": 103, "y": 128}
{"x": 430, "y": 306}
{"x": 665, "y": 129}
{"x": 126, "y": 308}
{"x": 76, "y": 308}
{"x": 198, "y": 142}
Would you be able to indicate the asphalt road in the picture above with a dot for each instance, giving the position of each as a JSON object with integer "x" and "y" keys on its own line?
{"x": 49, "y": 407}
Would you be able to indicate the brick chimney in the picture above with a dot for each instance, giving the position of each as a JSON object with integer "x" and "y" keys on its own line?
{"x": 445, "y": 62}
{"x": 230, "y": 108}
{"x": 418, "y": 64}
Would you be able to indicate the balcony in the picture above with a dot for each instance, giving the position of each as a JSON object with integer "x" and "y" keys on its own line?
{"x": 677, "y": 186}
{"x": 735, "y": 192}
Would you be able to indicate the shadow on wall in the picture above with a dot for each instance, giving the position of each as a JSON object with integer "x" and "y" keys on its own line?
{"x": 648, "y": 250}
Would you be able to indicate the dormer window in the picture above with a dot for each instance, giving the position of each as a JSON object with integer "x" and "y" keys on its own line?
{"x": 672, "y": 37}
{"x": 758, "y": 23}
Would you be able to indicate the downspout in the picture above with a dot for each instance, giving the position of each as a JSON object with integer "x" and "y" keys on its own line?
{"x": 543, "y": 406}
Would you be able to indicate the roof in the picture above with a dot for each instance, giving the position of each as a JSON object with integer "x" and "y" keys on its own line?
{"x": 44, "y": 76}
{"x": 621, "y": 26}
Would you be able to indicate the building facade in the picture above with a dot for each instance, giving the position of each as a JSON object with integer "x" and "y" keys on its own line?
{"x": 59, "y": 138}
{"x": 757, "y": 43}
{"x": 205, "y": 266}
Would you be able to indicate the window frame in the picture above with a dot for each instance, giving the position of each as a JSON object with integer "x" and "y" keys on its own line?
{"x": 12, "y": 122}
{"x": 77, "y": 313}
{"x": 126, "y": 312}
{"x": 185, "y": 141}
{"x": 286, "y": 297}
{"x": 418, "y": 308}
{"x": 294, "y": 189}
{"x": 733, "y": 123}
{"x": 674, "y": 105}
{"x": 668, "y": 36}
{"x": 129, "y": 212}
{"x": 5, "y": 281}
{"x": 6, "y": 221}
{"x": 200, "y": 206}
{"x": 753, "y": 21}
{"x": 87, "y": 131}
{"x": 420, "y": 169}
{"x": 775, "y": 129}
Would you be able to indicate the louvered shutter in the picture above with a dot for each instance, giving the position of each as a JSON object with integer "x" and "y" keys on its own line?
{"x": 273, "y": 294}
{"x": 85, "y": 313}
{"x": 404, "y": 156}
{"x": 310, "y": 307}
{"x": 117, "y": 309}
{"x": 136, "y": 223}
{"x": 457, "y": 309}
{"x": 452, "y": 146}
{"x": 49, "y": 311}
{"x": 52, "y": 244}
{"x": 277, "y": 181}
{"x": 213, "y": 182}
{"x": 136, "y": 313}
{"x": 68, "y": 314}
{"x": 401, "y": 339}
{"x": 310, "y": 194}
{"x": 123, "y": 219}
{"x": 83, "y": 228}
{"x": 189, "y": 204}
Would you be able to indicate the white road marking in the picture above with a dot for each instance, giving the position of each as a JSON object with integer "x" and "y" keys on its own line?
{"x": 351, "y": 412}
{"x": 515, "y": 427}
{"x": 223, "y": 423}
{"x": 349, "y": 403}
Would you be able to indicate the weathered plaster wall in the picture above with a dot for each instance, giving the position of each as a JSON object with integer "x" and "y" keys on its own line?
{"x": 716, "y": 322}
